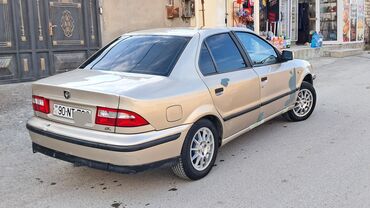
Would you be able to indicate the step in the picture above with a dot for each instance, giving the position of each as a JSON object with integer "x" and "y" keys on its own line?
{"x": 340, "y": 53}
{"x": 302, "y": 52}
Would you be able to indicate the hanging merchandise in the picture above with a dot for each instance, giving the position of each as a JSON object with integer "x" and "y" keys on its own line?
{"x": 245, "y": 5}
{"x": 353, "y": 20}
{"x": 243, "y": 14}
{"x": 360, "y": 20}
{"x": 269, "y": 16}
{"x": 273, "y": 10}
{"x": 264, "y": 3}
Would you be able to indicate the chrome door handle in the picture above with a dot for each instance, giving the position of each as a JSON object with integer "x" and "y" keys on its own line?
{"x": 263, "y": 82}
{"x": 219, "y": 91}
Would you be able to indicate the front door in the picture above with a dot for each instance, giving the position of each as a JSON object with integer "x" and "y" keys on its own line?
{"x": 278, "y": 88}
{"x": 234, "y": 87}
{"x": 277, "y": 80}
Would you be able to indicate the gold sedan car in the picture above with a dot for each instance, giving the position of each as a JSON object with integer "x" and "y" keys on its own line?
{"x": 167, "y": 97}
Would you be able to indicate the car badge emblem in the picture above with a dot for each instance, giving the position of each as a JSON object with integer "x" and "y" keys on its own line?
{"x": 67, "y": 94}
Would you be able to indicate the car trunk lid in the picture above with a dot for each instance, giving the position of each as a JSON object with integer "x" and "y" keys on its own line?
{"x": 74, "y": 96}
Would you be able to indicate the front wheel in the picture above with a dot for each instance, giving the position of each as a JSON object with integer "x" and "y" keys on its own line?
{"x": 199, "y": 151}
{"x": 304, "y": 105}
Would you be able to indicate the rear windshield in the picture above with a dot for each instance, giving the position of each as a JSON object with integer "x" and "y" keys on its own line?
{"x": 155, "y": 55}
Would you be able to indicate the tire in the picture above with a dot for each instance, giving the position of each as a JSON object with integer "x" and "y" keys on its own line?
{"x": 302, "y": 110}
{"x": 189, "y": 169}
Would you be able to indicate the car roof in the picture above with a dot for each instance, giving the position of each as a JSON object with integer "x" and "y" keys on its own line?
{"x": 186, "y": 31}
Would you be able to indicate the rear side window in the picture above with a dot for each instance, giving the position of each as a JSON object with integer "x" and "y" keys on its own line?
{"x": 225, "y": 53}
{"x": 205, "y": 61}
{"x": 140, "y": 54}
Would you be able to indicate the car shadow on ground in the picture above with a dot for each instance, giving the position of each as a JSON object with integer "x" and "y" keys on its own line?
{"x": 109, "y": 180}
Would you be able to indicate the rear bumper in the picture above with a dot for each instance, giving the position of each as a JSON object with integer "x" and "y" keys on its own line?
{"x": 84, "y": 146}
{"x": 104, "y": 146}
{"x": 100, "y": 165}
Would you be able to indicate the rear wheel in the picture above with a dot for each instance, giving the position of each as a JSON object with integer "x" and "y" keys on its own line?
{"x": 199, "y": 151}
{"x": 304, "y": 105}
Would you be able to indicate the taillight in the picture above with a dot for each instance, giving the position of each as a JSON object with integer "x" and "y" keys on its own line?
{"x": 129, "y": 119}
{"x": 40, "y": 104}
{"x": 116, "y": 117}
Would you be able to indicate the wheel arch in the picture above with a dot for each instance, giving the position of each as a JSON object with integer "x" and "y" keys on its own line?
{"x": 308, "y": 78}
{"x": 207, "y": 111}
{"x": 218, "y": 125}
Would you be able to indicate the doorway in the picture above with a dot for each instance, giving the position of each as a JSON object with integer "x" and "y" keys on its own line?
{"x": 307, "y": 20}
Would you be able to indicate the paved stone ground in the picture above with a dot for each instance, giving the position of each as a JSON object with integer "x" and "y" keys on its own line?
{"x": 322, "y": 162}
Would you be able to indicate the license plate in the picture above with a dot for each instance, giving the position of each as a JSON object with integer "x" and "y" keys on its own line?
{"x": 68, "y": 112}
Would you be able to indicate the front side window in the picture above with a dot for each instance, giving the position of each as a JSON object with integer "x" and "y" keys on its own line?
{"x": 225, "y": 53}
{"x": 140, "y": 54}
{"x": 260, "y": 52}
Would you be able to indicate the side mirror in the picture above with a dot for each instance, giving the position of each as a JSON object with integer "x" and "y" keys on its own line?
{"x": 287, "y": 55}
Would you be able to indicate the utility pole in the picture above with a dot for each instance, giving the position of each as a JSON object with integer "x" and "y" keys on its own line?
{"x": 203, "y": 17}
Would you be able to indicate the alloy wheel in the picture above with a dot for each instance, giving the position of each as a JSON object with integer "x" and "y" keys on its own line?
{"x": 202, "y": 148}
{"x": 304, "y": 103}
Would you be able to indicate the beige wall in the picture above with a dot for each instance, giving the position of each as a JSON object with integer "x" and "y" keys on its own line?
{"x": 120, "y": 16}
{"x": 214, "y": 13}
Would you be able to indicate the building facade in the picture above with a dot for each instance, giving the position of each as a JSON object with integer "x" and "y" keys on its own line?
{"x": 45, "y": 37}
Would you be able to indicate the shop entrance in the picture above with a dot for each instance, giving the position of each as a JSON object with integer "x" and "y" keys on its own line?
{"x": 307, "y": 21}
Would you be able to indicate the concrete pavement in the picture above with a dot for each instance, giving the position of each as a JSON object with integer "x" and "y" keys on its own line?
{"x": 321, "y": 162}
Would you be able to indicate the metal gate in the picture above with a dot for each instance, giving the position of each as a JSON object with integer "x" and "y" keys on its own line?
{"x": 39, "y": 38}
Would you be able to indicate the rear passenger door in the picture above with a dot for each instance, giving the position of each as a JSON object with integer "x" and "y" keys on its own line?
{"x": 277, "y": 80}
{"x": 232, "y": 83}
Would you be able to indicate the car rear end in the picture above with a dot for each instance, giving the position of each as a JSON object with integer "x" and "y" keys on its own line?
{"x": 95, "y": 117}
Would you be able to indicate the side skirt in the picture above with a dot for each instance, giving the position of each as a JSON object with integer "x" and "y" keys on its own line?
{"x": 232, "y": 137}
